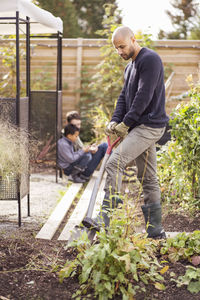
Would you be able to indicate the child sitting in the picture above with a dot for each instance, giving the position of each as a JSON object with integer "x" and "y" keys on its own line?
{"x": 78, "y": 164}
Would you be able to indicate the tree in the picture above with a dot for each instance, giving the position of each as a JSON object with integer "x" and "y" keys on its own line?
{"x": 91, "y": 14}
{"x": 67, "y": 12}
{"x": 81, "y": 18}
{"x": 195, "y": 32}
{"x": 184, "y": 18}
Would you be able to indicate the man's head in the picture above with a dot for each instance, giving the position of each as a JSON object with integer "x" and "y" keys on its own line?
{"x": 125, "y": 43}
{"x": 74, "y": 118}
{"x": 71, "y": 132}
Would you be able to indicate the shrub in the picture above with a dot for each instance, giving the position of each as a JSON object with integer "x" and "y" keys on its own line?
{"x": 179, "y": 161}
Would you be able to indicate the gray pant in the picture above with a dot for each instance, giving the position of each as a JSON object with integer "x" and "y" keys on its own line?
{"x": 138, "y": 146}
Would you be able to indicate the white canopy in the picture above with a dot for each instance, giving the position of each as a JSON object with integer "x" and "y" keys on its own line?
{"x": 41, "y": 20}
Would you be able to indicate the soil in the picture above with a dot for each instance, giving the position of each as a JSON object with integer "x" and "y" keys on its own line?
{"x": 29, "y": 267}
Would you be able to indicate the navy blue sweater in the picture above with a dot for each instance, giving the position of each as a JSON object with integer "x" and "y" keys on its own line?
{"x": 142, "y": 99}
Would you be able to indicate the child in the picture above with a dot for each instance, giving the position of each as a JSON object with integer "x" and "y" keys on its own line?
{"x": 72, "y": 162}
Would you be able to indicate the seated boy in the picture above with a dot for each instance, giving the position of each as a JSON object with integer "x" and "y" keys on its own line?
{"x": 79, "y": 164}
{"x": 74, "y": 118}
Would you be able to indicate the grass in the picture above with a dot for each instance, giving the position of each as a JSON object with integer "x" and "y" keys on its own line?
{"x": 14, "y": 154}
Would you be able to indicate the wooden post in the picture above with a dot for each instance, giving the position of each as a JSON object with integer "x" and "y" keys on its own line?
{"x": 78, "y": 69}
{"x": 199, "y": 71}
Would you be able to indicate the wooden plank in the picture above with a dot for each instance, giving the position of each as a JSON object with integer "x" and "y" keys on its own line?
{"x": 173, "y": 234}
{"x": 79, "y": 211}
{"x": 81, "y": 208}
{"x": 78, "y": 69}
{"x": 100, "y": 197}
{"x": 55, "y": 219}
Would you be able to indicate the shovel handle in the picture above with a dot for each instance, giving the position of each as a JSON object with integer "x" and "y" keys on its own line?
{"x": 98, "y": 180}
{"x": 110, "y": 146}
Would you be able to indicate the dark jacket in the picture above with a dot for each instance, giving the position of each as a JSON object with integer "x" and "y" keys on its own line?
{"x": 142, "y": 99}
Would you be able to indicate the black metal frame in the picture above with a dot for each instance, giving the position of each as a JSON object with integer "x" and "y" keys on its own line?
{"x": 58, "y": 87}
{"x": 17, "y": 21}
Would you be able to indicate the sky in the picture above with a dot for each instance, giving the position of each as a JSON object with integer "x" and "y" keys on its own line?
{"x": 146, "y": 15}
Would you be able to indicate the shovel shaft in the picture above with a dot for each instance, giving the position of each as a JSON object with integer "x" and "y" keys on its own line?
{"x": 98, "y": 180}
{"x": 96, "y": 187}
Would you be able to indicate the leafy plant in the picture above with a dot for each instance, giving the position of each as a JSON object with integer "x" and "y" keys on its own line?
{"x": 42, "y": 79}
{"x": 191, "y": 279}
{"x": 179, "y": 161}
{"x": 186, "y": 128}
{"x": 8, "y": 58}
{"x": 183, "y": 246}
{"x": 121, "y": 262}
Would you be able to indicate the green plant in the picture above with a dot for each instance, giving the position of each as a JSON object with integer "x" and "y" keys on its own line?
{"x": 179, "y": 161}
{"x": 183, "y": 246}
{"x": 42, "y": 79}
{"x": 121, "y": 262}
{"x": 8, "y": 58}
{"x": 175, "y": 182}
{"x": 185, "y": 124}
{"x": 191, "y": 279}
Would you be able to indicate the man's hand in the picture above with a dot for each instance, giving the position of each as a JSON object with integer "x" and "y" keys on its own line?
{"x": 121, "y": 130}
{"x": 110, "y": 128}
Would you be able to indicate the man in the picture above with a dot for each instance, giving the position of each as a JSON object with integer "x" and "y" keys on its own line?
{"x": 139, "y": 119}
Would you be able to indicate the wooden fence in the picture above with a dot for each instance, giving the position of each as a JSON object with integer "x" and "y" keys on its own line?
{"x": 181, "y": 56}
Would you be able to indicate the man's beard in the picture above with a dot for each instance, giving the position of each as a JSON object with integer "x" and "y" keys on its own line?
{"x": 128, "y": 56}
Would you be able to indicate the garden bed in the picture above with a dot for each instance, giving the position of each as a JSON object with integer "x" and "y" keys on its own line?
{"x": 29, "y": 267}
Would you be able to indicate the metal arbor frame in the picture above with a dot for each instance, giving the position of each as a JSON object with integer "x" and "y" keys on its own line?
{"x": 19, "y": 194}
{"x": 58, "y": 121}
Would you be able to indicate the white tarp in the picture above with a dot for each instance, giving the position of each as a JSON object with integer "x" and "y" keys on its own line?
{"x": 41, "y": 20}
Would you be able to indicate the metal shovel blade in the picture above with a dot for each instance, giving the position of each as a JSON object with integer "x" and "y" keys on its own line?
{"x": 78, "y": 231}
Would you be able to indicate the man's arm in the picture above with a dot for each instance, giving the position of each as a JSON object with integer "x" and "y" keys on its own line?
{"x": 120, "y": 108}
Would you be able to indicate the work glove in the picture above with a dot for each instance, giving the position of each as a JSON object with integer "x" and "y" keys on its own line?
{"x": 121, "y": 130}
{"x": 110, "y": 128}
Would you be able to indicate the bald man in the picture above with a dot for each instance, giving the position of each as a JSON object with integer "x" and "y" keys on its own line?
{"x": 140, "y": 120}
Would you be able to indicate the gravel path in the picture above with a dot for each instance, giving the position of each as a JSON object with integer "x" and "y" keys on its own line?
{"x": 44, "y": 195}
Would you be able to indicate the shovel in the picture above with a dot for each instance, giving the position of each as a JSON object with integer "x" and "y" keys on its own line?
{"x": 88, "y": 221}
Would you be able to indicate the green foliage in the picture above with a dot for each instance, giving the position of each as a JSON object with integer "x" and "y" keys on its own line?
{"x": 184, "y": 18}
{"x": 8, "y": 59}
{"x": 90, "y": 16}
{"x": 81, "y": 18}
{"x": 121, "y": 262}
{"x": 67, "y": 12}
{"x": 195, "y": 32}
{"x": 42, "y": 79}
{"x": 179, "y": 161}
{"x": 107, "y": 82}
{"x": 191, "y": 279}
{"x": 182, "y": 246}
